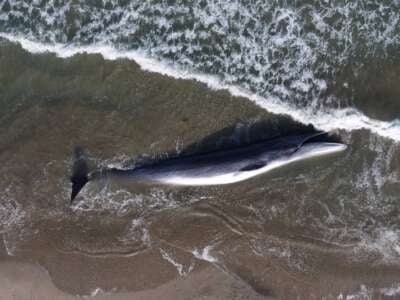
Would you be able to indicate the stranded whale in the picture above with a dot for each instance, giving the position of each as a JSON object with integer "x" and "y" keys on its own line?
{"x": 214, "y": 168}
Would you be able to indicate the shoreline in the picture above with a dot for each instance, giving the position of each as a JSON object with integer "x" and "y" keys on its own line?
{"x": 348, "y": 119}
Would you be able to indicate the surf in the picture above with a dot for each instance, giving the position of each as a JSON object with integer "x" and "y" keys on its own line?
{"x": 348, "y": 119}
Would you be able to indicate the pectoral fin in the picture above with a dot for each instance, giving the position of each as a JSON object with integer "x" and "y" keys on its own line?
{"x": 253, "y": 166}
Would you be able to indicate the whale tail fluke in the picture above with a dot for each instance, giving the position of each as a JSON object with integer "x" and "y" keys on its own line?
{"x": 80, "y": 173}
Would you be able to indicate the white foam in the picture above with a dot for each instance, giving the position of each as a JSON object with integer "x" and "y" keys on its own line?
{"x": 12, "y": 221}
{"x": 365, "y": 293}
{"x": 205, "y": 254}
{"x": 137, "y": 231}
{"x": 385, "y": 243}
{"x": 179, "y": 267}
{"x": 98, "y": 292}
{"x": 391, "y": 291}
{"x": 368, "y": 293}
{"x": 331, "y": 119}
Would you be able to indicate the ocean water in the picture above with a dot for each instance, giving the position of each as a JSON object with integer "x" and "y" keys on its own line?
{"x": 312, "y": 60}
{"x": 138, "y": 80}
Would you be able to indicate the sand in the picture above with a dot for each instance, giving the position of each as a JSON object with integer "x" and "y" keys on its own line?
{"x": 28, "y": 281}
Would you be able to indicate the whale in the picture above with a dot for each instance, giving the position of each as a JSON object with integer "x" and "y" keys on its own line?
{"x": 219, "y": 167}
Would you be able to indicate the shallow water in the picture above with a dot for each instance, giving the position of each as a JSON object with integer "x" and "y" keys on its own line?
{"x": 327, "y": 227}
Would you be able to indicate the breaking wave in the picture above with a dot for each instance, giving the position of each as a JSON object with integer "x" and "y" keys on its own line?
{"x": 327, "y": 119}
{"x": 283, "y": 55}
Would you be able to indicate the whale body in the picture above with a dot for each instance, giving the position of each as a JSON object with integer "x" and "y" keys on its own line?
{"x": 218, "y": 167}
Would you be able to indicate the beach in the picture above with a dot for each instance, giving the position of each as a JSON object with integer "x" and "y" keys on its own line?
{"x": 132, "y": 83}
{"x": 123, "y": 238}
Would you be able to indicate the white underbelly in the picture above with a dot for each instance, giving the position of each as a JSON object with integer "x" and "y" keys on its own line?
{"x": 221, "y": 179}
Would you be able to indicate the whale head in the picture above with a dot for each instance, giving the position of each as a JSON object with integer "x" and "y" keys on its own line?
{"x": 315, "y": 149}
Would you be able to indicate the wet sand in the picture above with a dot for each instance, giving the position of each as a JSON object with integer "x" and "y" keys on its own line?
{"x": 26, "y": 281}
{"x": 43, "y": 128}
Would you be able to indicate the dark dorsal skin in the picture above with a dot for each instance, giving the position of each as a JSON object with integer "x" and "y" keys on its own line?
{"x": 244, "y": 158}
{"x": 80, "y": 173}
{"x": 217, "y": 163}
{"x": 254, "y": 166}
